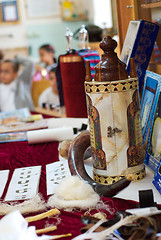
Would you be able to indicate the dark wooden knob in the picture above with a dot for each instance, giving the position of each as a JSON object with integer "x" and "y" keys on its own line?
{"x": 108, "y": 44}
{"x": 110, "y": 67}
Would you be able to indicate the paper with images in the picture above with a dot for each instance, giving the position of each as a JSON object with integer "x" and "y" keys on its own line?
{"x": 3, "y": 180}
{"x": 24, "y": 183}
{"x": 55, "y": 173}
{"x": 23, "y": 126}
{"x": 13, "y": 137}
{"x": 14, "y": 116}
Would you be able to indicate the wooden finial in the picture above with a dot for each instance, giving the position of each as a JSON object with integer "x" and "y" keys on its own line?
{"x": 88, "y": 77}
{"x": 133, "y": 73}
{"x": 110, "y": 67}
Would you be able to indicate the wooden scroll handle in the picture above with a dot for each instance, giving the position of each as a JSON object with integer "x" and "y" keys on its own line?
{"x": 76, "y": 165}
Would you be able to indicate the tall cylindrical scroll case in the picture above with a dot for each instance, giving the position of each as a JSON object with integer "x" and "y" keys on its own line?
{"x": 114, "y": 118}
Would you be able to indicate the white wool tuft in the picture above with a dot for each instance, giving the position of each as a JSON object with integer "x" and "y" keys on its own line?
{"x": 35, "y": 204}
{"x": 74, "y": 189}
{"x": 72, "y": 193}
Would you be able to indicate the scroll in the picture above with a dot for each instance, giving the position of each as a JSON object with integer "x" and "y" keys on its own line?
{"x": 50, "y": 135}
{"x": 67, "y": 122}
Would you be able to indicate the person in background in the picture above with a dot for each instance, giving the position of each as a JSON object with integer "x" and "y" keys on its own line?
{"x": 15, "y": 87}
{"x": 47, "y": 57}
{"x": 50, "y": 96}
{"x": 1, "y": 58}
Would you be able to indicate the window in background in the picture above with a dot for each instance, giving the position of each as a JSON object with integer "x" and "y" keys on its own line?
{"x": 102, "y": 13}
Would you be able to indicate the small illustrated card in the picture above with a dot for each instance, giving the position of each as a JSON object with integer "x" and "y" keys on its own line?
{"x": 13, "y": 137}
{"x": 3, "y": 180}
{"x": 14, "y": 116}
{"x": 150, "y": 96}
{"x": 24, "y": 183}
{"x": 23, "y": 126}
{"x": 150, "y": 111}
{"x": 55, "y": 173}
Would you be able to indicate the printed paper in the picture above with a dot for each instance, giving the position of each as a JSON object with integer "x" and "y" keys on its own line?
{"x": 24, "y": 183}
{"x": 55, "y": 173}
{"x": 3, "y": 180}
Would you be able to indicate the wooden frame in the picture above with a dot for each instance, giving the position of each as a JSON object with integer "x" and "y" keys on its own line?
{"x": 3, "y": 17}
{"x": 40, "y": 17}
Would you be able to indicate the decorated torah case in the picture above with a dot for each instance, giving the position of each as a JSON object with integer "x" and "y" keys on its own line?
{"x": 114, "y": 117}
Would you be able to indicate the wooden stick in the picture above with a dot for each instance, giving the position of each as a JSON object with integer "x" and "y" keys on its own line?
{"x": 49, "y": 213}
{"x": 45, "y": 230}
{"x": 61, "y": 236}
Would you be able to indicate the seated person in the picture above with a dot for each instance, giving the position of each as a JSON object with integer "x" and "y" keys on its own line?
{"x": 15, "y": 89}
{"x": 47, "y": 57}
{"x": 50, "y": 97}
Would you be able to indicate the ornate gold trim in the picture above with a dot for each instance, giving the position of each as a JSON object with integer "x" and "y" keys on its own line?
{"x": 115, "y": 86}
{"x": 69, "y": 59}
{"x": 107, "y": 180}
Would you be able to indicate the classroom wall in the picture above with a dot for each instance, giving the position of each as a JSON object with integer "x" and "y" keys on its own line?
{"x": 34, "y": 32}
{"x": 53, "y": 33}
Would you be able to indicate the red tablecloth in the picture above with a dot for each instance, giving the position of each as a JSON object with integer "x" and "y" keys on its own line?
{"x": 20, "y": 154}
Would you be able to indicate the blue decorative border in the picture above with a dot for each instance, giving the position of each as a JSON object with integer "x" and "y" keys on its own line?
{"x": 157, "y": 179}
{"x": 150, "y": 118}
{"x": 152, "y": 162}
{"x": 8, "y": 3}
{"x": 142, "y": 48}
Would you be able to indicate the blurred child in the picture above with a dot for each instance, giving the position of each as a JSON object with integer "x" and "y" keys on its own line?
{"x": 15, "y": 89}
{"x": 47, "y": 57}
{"x": 50, "y": 96}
